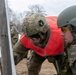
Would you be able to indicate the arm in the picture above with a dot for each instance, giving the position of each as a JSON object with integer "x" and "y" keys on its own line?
{"x": 19, "y": 52}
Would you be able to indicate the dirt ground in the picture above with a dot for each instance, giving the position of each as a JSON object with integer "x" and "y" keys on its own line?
{"x": 47, "y": 68}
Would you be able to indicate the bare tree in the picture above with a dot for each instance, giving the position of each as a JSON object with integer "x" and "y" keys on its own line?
{"x": 15, "y": 19}
{"x": 37, "y": 8}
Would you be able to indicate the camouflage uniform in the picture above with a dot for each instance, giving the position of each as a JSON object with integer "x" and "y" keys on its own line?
{"x": 36, "y": 60}
{"x": 14, "y": 34}
{"x": 63, "y": 63}
{"x": 72, "y": 57}
{"x": 67, "y": 19}
{"x": 66, "y": 64}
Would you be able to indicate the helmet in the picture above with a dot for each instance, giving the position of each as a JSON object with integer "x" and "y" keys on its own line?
{"x": 67, "y": 17}
{"x": 34, "y": 23}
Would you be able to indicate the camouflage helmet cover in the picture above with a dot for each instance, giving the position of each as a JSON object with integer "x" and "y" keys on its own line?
{"x": 34, "y": 23}
{"x": 67, "y": 16}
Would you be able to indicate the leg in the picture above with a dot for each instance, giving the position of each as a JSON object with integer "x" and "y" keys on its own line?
{"x": 34, "y": 64}
{"x": 63, "y": 65}
{"x": 52, "y": 59}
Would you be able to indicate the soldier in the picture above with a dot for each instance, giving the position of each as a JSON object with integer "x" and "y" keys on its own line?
{"x": 67, "y": 22}
{"x": 14, "y": 33}
{"x": 44, "y": 39}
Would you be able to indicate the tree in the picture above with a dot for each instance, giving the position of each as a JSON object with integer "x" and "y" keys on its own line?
{"x": 36, "y": 8}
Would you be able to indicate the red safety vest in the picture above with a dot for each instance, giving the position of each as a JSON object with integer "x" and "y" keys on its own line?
{"x": 55, "y": 44}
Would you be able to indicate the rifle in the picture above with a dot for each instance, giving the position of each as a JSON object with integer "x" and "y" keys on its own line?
{"x": 7, "y": 62}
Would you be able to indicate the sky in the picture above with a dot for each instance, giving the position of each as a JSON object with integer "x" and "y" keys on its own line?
{"x": 52, "y": 7}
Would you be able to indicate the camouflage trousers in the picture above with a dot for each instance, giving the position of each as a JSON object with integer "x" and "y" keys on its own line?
{"x": 35, "y": 62}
